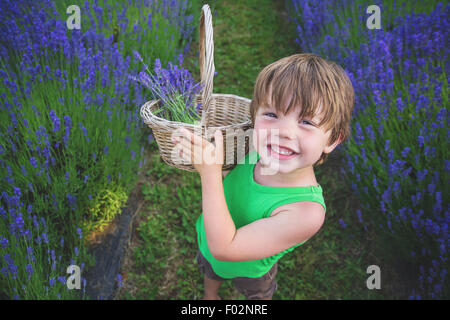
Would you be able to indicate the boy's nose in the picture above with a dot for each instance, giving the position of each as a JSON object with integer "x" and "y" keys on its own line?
{"x": 287, "y": 129}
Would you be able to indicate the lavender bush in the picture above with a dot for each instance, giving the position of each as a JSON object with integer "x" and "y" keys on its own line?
{"x": 161, "y": 29}
{"x": 70, "y": 134}
{"x": 397, "y": 156}
{"x": 33, "y": 260}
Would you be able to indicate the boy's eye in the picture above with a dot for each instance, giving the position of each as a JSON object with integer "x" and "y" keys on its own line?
{"x": 270, "y": 114}
{"x": 306, "y": 122}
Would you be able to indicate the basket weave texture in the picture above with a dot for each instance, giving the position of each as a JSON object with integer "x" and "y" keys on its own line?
{"x": 226, "y": 112}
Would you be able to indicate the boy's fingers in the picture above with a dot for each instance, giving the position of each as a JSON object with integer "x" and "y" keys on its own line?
{"x": 189, "y": 136}
{"x": 184, "y": 133}
{"x": 186, "y": 153}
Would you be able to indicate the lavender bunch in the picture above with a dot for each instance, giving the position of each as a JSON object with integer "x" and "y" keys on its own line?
{"x": 176, "y": 89}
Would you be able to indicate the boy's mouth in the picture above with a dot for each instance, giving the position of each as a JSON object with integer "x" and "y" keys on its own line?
{"x": 280, "y": 152}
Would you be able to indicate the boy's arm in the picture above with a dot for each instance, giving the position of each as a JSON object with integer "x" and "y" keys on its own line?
{"x": 259, "y": 239}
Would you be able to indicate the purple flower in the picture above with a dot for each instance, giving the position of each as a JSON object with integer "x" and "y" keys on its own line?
{"x": 33, "y": 162}
{"x": 29, "y": 269}
{"x": 421, "y": 174}
{"x": 4, "y": 271}
{"x": 55, "y": 120}
{"x": 119, "y": 280}
{"x": 358, "y": 212}
{"x": 157, "y": 67}
{"x": 4, "y": 243}
{"x": 431, "y": 188}
{"x": 85, "y": 133}
{"x": 138, "y": 56}
{"x": 374, "y": 181}
{"x": 20, "y": 223}
{"x": 421, "y": 141}
{"x": 67, "y": 122}
{"x": 145, "y": 79}
{"x": 405, "y": 152}
{"x": 396, "y": 186}
{"x": 79, "y": 232}
{"x": 386, "y": 145}
{"x": 72, "y": 201}
{"x": 359, "y": 138}
{"x": 45, "y": 238}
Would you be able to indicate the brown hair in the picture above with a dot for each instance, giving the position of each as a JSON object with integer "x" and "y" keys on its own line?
{"x": 313, "y": 82}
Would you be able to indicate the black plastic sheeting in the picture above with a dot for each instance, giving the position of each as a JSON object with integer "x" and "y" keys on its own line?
{"x": 109, "y": 252}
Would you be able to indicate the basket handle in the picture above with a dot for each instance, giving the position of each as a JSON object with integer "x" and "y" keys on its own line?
{"x": 206, "y": 60}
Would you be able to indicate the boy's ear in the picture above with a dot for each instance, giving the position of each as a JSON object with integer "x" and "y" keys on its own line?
{"x": 331, "y": 147}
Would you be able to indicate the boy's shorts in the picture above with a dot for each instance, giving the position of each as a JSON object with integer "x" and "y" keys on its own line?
{"x": 252, "y": 288}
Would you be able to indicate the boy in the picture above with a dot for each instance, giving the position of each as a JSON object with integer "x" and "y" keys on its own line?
{"x": 300, "y": 111}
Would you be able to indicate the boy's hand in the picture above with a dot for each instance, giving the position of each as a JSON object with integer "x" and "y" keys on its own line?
{"x": 204, "y": 155}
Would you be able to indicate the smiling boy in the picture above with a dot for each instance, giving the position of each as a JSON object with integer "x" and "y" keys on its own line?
{"x": 271, "y": 202}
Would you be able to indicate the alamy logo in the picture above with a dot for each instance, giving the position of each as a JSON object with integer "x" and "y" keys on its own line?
{"x": 374, "y": 281}
{"x": 374, "y": 21}
{"x": 74, "y": 20}
{"x": 74, "y": 281}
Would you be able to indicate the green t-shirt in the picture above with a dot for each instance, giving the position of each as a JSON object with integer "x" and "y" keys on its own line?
{"x": 249, "y": 201}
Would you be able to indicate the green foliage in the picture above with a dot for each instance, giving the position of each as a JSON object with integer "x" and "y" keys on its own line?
{"x": 103, "y": 208}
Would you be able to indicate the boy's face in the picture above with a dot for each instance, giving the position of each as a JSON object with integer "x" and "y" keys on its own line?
{"x": 286, "y": 143}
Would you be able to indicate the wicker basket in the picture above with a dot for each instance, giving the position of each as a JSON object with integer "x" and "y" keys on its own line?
{"x": 227, "y": 112}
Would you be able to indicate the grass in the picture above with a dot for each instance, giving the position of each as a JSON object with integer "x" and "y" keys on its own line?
{"x": 161, "y": 263}
{"x": 248, "y": 35}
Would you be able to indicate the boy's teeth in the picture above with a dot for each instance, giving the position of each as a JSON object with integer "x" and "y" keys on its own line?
{"x": 277, "y": 150}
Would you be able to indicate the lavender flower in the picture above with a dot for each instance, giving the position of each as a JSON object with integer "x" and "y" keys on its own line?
{"x": 79, "y": 232}
{"x": 55, "y": 120}
{"x": 174, "y": 87}
{"x": 342, "y": 223}
{"x": 4, "y": 243}
{"x": 119, "y": 280}
{"x": 29, "y": 269}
